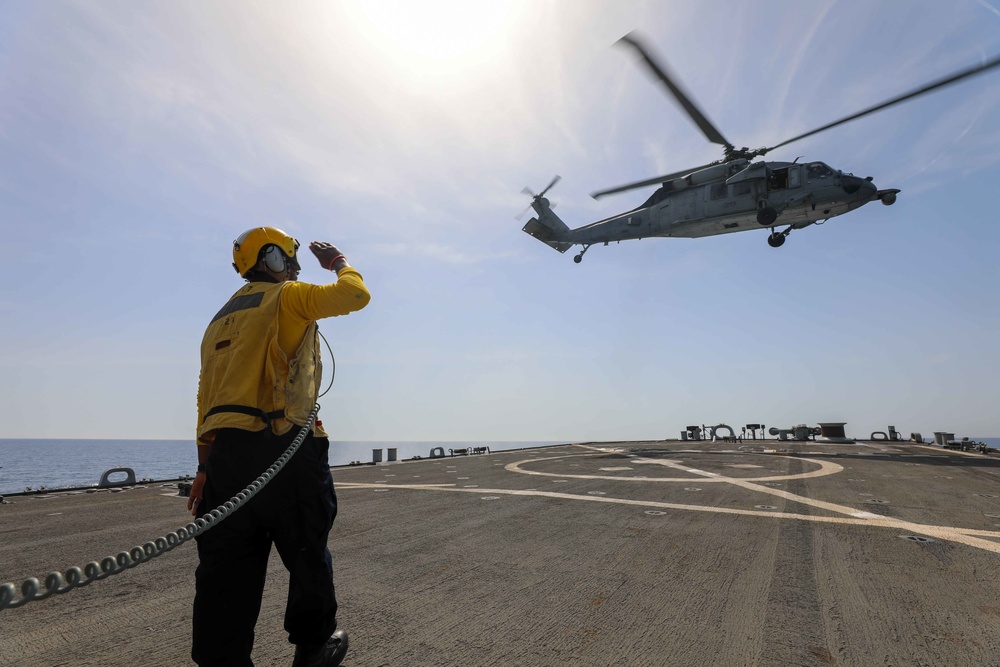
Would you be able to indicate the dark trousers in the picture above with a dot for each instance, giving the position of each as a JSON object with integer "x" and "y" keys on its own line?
{"x": 295, "y": 512}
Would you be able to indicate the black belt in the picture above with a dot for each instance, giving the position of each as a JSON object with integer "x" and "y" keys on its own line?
{"x": 245, "y": 410}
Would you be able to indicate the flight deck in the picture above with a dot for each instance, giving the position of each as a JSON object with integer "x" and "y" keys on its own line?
{"x": 627, "y": 553}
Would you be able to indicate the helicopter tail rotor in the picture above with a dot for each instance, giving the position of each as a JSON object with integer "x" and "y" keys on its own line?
{"x": 537, "y": 198}
{"x": 541, "y": 194}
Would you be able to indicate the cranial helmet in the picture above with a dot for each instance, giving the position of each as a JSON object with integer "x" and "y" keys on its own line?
{"x": 253, "y": 243}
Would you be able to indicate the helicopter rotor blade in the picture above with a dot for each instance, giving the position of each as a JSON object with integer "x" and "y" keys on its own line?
{"x": 648, "y": 181}
{"x": 549, "y": 186}
{"x": 940, "y": 83}
{"x": 692, "y": 110}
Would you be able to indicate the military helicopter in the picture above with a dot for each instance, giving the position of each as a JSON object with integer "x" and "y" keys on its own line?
{"x": 733, "y": 194}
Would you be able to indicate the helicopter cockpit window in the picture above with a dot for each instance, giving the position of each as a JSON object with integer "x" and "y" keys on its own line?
{"x": 719, "y": 191}
{"x": 818, "y": 170}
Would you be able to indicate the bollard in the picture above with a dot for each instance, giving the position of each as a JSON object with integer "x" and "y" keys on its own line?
{"x": 833, "y": 432}
{"x": 942, "y": 438}
{"x": 377, "y": 455}
{"x": 106, "y": 478}
{"x": 392, "y": 453}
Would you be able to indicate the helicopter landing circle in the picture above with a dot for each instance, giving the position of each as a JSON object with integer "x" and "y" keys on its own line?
{"x": 823, "y": 468}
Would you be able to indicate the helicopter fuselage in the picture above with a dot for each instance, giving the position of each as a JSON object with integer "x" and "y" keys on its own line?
{"x": 730, "y": 197}
{"x": 733, "y": 194}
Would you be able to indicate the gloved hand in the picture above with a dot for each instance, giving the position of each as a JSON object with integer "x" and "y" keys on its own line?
{"x": 329, "y": 255}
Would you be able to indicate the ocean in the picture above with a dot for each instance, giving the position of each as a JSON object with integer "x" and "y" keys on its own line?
{"x": 59, "y": 464}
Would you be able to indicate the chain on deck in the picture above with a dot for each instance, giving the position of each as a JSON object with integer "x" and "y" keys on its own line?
{"x": 75, "y": 577}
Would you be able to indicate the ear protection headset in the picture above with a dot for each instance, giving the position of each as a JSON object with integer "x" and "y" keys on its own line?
{"x": 275, "y": 259}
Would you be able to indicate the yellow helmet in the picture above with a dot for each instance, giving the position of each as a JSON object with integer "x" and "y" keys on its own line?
{"x": 247, "y": 248}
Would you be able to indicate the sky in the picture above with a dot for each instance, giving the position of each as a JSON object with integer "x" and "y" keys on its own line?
{"x": 138, "y": 140}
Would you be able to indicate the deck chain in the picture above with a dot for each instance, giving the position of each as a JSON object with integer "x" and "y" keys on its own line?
{"x": 75, "y": 577}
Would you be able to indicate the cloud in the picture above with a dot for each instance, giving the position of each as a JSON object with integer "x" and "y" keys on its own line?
{"x": 989, "y": 7}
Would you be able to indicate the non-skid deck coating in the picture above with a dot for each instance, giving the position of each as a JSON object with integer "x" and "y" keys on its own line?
{"x": 625, "y": 553}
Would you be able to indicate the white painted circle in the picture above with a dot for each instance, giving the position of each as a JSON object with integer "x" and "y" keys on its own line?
{"x": 824, "y": 468}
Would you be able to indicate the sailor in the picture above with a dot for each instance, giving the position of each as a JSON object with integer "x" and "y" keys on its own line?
{"x": 260, "y": 379}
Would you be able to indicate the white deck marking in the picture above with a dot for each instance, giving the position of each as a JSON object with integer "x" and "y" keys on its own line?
{"x": 979, "y": 539}
{"x": 960, "y": 535}
{"x": 825, "y": 468}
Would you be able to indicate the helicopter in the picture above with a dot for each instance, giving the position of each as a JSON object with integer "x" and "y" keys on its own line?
{"x": 733, "y": 194}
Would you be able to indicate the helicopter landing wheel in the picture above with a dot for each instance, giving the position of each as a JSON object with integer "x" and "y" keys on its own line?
{"x": 776, "y": 240}
{"x": 767, "y": 216}
{"x": 578, "y": 258}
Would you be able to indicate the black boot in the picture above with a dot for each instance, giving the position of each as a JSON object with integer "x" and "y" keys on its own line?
{"x": 329, "y": 654}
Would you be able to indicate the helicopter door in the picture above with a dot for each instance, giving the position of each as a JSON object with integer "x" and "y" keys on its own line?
{"x": 743, "y": 195}
{"x": 778, "y": 180}
{"x": 793, "y": 176}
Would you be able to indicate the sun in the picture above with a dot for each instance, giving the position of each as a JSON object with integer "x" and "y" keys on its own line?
{"x": 436, "y": 37}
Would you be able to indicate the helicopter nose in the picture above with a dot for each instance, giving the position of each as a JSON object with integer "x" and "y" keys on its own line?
{"x": 851, "y": 184}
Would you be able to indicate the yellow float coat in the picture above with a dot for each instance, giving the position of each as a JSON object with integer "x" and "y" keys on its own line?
{"x": 261, "y": 351}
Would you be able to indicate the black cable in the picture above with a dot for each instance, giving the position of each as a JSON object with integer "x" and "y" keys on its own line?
{"x": 333, "y": 363}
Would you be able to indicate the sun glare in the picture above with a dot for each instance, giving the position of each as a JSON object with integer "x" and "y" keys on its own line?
{"x": 435, "y": 37}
